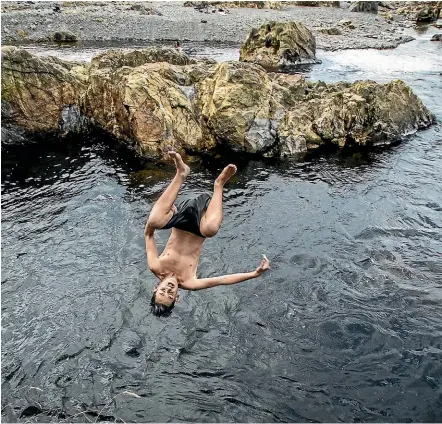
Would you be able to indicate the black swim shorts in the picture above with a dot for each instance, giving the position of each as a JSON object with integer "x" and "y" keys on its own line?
{"x": 189, "y": 214}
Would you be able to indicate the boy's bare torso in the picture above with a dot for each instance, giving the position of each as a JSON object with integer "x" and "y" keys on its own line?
{"x": 181, "y": 256}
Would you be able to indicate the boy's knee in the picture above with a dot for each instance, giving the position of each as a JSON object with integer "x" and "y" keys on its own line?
{"x": 209, "y": 229}
{"x": 159, "y": 220}
{"x": 156, "y": 223}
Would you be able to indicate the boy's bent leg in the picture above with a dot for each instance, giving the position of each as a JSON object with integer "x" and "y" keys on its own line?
{"x": 162, "y": 210}
{"x": 212, "y": 219}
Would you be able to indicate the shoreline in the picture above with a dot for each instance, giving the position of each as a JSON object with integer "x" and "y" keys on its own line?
{"x": 169, "y": 21}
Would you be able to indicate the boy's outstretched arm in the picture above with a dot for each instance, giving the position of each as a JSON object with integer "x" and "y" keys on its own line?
{"x": 205, "y": 283}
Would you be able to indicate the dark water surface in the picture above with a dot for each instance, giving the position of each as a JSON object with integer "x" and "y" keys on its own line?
{"x": 347, "y": 326}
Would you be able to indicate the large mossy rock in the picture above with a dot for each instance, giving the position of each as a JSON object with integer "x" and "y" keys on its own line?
{"x": 279, "y": 46}
{"x": 39, "y": 89}
{"x": 145, "y": 98}
{"x": 143, "y": 106}
{"x": 344, "y": 114}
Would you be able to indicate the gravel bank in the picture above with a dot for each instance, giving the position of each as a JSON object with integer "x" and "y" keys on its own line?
{"x": 117, "y": 21}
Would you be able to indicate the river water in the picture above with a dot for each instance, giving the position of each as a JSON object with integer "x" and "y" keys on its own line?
{"x": 347, "y": 325}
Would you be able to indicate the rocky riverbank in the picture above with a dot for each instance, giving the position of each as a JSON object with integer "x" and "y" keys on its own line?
{"x": 334, "y": 28}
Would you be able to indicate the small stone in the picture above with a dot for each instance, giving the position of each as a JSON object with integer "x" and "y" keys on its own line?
{"x": 347, "y": 24}
{"x": 64, "y": 36}
{"x": 438, "y": 24}
{"x": 331, "y": 31}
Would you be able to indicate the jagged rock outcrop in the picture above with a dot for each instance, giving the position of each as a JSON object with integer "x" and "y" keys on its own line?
{"x": 144, "y": 106}
{"x": 249, "y": 110}
{"x": 279, "y": 45}
{"x": 414, "y": 11}
{"x": 145, "y": 97}
{"x": 197, "y": 106}
{"x": 142, "y": 97}
{"x": 344, "y": 114}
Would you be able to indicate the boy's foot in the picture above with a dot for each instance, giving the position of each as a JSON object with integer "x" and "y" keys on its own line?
{"x": 181, "y": 167}
{"x": 226, "y": 174}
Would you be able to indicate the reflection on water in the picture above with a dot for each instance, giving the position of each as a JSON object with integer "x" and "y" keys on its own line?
{"x": 347, "y": 326}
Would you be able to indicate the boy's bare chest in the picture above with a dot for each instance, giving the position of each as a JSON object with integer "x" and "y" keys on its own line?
{"x": 184, "y": 266}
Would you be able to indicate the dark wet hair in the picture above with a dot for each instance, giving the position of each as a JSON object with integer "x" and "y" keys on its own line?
{"x": 160, "y": 310}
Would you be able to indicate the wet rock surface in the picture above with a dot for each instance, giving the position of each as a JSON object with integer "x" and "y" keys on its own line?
{"x": 410, "y": 12}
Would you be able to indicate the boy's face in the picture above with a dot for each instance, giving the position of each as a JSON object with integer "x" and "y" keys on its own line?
{"x": 166, "y": 292}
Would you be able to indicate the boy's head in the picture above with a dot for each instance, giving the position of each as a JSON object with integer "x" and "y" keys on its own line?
{"x": 165, "y": 294}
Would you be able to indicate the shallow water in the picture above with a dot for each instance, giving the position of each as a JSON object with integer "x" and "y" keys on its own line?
{"x": 85, "y": 51}
{"x": 347, "y": 326}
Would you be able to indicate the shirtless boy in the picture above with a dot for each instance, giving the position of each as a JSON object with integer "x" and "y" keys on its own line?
{"x": 191, "y": 222}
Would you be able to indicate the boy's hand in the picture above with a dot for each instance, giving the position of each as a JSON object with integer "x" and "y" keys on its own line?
{"x": 264, "y": 266}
